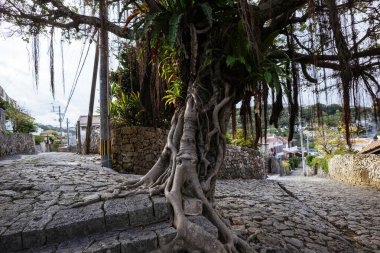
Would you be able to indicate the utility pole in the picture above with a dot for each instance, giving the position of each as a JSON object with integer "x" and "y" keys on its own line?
{"x": 60, "y": 120}
{"x": 79, "y": 139}
{"x": 105, "y": 144}
{"x": 68, "y": 136}
{"x": 301, "y": 137}
{"x": 92, "y": 97}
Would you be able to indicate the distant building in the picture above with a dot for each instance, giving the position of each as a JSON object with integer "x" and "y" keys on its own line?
{"x": 273, "y": 144}
{"x": 359, "y": 144}
{"x": 5, "y": 97}
{"x": 83, "y": 126}
{"x": 5, "y": 125}
{"x": 373, "y": 148}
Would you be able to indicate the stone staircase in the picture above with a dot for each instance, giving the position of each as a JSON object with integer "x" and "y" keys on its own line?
{"x": 132, "y": 224}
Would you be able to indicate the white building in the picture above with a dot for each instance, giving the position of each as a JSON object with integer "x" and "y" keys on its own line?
{"x": 83, "y": 126}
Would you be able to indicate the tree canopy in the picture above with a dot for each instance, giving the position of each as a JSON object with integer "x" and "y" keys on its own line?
{"x": 281, "y": 45}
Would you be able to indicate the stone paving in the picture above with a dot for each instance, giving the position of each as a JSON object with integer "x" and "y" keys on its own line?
{"x": 40, "y": 200}
{"x": 41, "y": 196}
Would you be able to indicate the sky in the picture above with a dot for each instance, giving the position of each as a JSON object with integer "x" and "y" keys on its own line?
{"x": 16, "y": 78}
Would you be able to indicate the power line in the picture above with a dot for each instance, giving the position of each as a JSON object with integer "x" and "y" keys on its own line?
{"x": 79, "y": 71}
{"x": 76, "y": 80}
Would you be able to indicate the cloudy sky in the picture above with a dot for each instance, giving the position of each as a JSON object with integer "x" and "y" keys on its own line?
{"x": 17, "y": 79}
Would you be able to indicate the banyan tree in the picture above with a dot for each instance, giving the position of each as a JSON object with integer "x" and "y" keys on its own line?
{"x": 213, "y": 55}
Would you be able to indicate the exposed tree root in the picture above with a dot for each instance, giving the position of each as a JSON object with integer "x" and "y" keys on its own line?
{"x": 188, "y": 166}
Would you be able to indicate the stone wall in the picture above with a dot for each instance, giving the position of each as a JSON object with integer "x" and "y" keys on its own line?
{"x": 242, "y": 163}
{"x": 136, "y": 149}
{"x": 11, "y": 144}
{"x": 2, "y": 119}
{"x": 356, "y": 169}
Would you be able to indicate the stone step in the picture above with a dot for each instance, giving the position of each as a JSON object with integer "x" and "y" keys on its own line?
{"x": 55, "y": 225}
{"x": 131, "y": 240}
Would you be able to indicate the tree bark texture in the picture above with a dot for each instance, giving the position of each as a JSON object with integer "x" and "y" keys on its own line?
{"x": 190, "y": 161}
{"x": 344, "y": 57}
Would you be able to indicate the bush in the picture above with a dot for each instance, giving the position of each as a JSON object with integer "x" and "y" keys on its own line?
{"x": 294, "y": 161}
{"x": 322, "y": 163}
{"x": 286, "y": 166}
{"x": 38, "y": 139}
{"x": 309, "y": 160}
{"x": 241, "y": 141}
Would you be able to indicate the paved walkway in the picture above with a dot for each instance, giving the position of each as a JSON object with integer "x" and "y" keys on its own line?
{"x": 38, "y": 195}
{"x": 303, "y": 214}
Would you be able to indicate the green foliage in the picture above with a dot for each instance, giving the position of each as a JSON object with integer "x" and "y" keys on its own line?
{"x": 126, "y": 108}
{"x": 21, "y": 121}
{"x": 327, "y": 140}
{"x": 49, "y": 132}
{"x": 39, "y": 139}
{"x": 241, "y": 141}
{"x": 5, "y": 104}
{"x": 321, "y": 162}
{"x": 173, "y": 28}
{"x": 294, "y": 161}
{"x": 286, "y": 166}
{"x": 173, "y": 94}
{"x": 169, "y": 71}
{"x": 207, "y": 10}
{"x": 309, "y": 160}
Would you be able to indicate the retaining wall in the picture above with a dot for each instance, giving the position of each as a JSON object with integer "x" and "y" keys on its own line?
{"x": 136, "y": 149}
{"x": 16, "y": 143}
{"x": 356, "y": 169}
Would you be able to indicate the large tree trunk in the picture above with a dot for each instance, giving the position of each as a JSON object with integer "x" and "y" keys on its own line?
{"x": 190, "y": 161}
{"x": 344, "y": 57}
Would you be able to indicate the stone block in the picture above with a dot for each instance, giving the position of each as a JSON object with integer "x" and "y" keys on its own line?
{"x": 116, "y": 214}
{"x": 44, "y": 249}
{"x": 76, "y": 222}
{"x": 192, "y": 206}
{"x": 160, "y": 207}
{"x": 165, "y": 235}
{"x": 205, "y": 224}
{"x": 138, "y": 241}
{"x": 140, "y": 210}
{"x": 10, "y": 242}
{"x": 107, "y": 243}
{"x": 129, "y": 148}
{"x": 149, "y": 157}
{"x": 33, "y": 234}
{"x": 130, "y": 130}
{"x": 79, "y": 245}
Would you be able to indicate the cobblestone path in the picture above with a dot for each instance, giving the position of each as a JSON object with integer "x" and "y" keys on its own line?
{"x": 302, "y": 214}
{"x": 287, "y": 214}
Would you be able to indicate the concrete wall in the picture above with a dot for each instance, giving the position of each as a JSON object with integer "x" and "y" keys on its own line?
{"x": 11, "y": 144}
{"x": 356, "y": 169}
{"x": 136, "y": 149}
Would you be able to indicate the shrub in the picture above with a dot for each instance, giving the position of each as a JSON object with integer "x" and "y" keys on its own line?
{"x": 322, "y": 163}
{"x": 241, "y": 141}
{"x": 38, "y": 139}
{"x": 286, "y": 166}
{"x": 309, "y": 160}
{"x": 294, "y": 161}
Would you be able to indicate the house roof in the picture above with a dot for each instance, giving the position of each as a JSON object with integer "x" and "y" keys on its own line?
{"x": 374, "y": 146}
{"x": 272, "y": 139}
{"x": 95, "y": 120}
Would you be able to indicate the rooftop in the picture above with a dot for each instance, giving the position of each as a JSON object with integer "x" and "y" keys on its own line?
{"x": 95, "y": 120}
{"x": 372, "y": 148}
